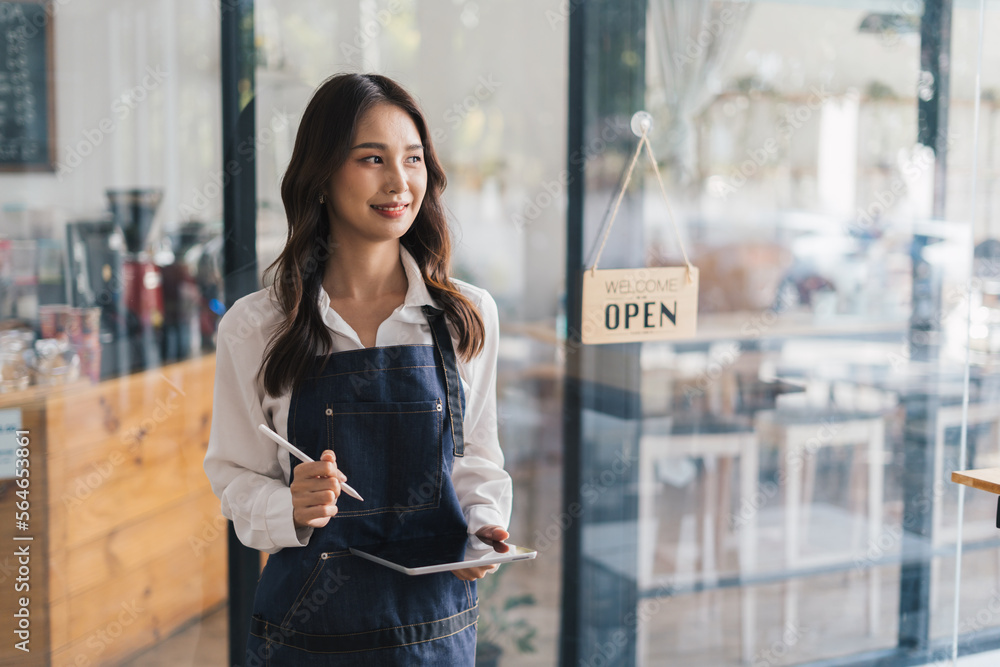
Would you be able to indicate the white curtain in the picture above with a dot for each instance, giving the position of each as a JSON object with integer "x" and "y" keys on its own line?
{"x": 692, "y": 40}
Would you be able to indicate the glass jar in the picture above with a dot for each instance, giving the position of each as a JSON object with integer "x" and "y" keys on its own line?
{"x": 15, "y": 361}
{"x": 56, "y": 362}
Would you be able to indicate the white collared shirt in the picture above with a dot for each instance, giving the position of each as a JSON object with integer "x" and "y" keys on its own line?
{"x": 250, "y": 474}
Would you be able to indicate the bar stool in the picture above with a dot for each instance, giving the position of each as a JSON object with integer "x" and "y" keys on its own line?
{"x": 798, "y": 436}
{"x": 718, "y": 444}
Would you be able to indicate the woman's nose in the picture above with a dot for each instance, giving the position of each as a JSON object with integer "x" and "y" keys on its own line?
{"x": 396, "y": 181}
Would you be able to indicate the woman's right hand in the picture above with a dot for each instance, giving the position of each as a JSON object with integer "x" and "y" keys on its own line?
{"x": 315, "y": 490}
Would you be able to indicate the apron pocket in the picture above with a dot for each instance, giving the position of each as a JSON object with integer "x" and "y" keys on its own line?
{"x": 390, "y": 452}
{"x": 355, "y": 606}
{"x": 306, "y": 588}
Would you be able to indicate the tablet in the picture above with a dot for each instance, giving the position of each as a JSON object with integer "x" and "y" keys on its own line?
{"x": 441, "y": 553}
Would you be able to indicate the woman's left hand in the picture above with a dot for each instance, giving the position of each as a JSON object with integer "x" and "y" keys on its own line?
{"x": 494, "y": 535}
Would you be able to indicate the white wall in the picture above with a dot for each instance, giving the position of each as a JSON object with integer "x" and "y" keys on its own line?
{"x": 136, "y": 88}
{"x": 501, "y": 143}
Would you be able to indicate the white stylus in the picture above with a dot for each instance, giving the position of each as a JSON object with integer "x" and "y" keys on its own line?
{"x": 305, "y": 458}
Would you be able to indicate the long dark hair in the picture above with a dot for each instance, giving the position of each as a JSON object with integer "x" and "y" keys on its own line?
{"x": 322, "y": 145}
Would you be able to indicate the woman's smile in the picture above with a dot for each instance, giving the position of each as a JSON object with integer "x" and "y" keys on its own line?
{"x": 392, "y": 211}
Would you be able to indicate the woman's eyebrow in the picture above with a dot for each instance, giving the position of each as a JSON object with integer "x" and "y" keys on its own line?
{"x": 382, "y": 147}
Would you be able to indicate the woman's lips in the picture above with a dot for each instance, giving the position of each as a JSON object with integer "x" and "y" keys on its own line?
{"x": 396, "y": 211}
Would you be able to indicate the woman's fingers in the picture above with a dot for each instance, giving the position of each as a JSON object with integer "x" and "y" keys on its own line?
{"x": 316, "y": 485}
{"x": 494, "y": 533}
{"x": 315, "y": 490}
{"x": 494, "y": 536}
{"x": 316, "y": 516}
{"x": 473, "y": 573}
{"x": 329, "y": 457}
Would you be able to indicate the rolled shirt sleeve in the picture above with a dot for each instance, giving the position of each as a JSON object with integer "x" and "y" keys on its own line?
{"x": 483, "y": 487}
{"x": 241, "y": 463}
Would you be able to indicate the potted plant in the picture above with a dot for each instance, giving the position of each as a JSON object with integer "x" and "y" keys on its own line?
{"x": 500, "y": 627}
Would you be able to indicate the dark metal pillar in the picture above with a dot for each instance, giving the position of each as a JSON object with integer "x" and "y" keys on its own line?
{"x": 572, "y": 537}
{"x": 601, "y": 397}
{"x": 921, "y": 407}
{"x": 239, "y": 254}
{"x": 934, "y": 90}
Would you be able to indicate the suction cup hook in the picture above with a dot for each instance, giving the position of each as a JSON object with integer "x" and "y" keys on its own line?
{"x": 642, "y": 121}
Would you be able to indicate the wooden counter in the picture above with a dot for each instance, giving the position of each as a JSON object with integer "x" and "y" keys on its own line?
{"x": 128, "y": 541}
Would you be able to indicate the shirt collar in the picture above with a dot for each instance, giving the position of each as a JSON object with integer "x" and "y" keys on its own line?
{"x": 416, "y": 289}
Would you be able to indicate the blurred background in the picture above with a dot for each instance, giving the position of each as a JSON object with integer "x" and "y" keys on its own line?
{"x": 774, "y": 491}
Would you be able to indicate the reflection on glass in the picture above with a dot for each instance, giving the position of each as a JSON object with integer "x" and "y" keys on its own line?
{"x": 796, "y": 456}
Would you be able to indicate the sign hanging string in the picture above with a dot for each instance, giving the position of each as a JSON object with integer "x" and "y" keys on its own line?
{"x": 643, "y": 142}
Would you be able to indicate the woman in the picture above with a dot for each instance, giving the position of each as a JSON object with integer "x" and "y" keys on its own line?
{"x": 367, "y": 356}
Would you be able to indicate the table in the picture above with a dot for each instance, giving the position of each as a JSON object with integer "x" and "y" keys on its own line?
{"x": 984, "y": 479}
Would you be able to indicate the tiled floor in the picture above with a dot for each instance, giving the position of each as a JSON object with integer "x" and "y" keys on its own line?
{"x": 690, "y": 630}
{"x": 204, "y": 645}
{"x": 991, "y": 659}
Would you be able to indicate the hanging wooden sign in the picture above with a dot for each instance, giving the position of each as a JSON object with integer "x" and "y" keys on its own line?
{"x": 637, "y": 305}
{"x": 642, "y": 304}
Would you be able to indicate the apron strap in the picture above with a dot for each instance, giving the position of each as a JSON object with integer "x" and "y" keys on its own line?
{"x": 453, "y": 385}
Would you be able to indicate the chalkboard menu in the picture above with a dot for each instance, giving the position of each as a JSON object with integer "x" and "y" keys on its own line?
{"x": 26, "y": 109}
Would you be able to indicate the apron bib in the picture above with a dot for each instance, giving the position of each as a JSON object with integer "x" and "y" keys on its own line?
{"x": 393, "y": 416}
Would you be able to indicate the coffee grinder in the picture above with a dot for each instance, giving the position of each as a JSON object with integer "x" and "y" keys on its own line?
{"x": 132, "y": 210}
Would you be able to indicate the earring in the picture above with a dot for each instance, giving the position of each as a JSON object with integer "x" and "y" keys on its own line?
{"x": 322, "y": 199}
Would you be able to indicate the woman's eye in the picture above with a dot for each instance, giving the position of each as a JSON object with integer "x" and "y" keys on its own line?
{"x": 415, "y": 158}
{"x": 372, "y": 159}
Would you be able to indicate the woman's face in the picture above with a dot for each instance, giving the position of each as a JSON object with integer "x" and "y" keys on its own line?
{"x": 377, "y": 192}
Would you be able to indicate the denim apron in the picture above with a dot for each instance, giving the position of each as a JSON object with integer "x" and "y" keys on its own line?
{"x": 393, "y": 416}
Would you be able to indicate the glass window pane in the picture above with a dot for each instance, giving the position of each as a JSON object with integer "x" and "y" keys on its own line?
{"x": 110, "y": 293}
